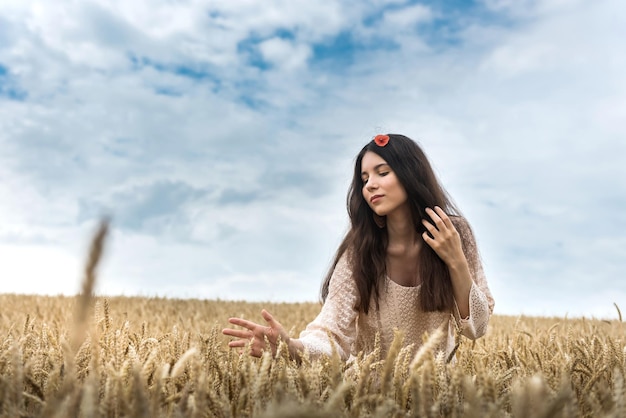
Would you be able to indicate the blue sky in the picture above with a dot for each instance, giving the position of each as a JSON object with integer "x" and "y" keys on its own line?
{"x": 220, "y": 136}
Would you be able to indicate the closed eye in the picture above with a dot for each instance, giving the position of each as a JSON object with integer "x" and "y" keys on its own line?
{"x": 381, "y": 174}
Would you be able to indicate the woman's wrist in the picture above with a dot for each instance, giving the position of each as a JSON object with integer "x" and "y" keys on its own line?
{"x": 295, "y": 347}
{"x": 458, "y": 265}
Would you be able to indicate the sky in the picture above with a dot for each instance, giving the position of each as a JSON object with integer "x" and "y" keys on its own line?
{"x": 220, "y": 137}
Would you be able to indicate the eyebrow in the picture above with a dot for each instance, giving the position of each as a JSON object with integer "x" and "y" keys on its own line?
{"x": 376, "y": 167}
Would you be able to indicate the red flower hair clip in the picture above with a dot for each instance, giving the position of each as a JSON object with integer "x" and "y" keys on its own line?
{"x": 381, "y": 140}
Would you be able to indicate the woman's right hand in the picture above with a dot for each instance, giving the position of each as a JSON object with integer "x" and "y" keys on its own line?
{"x": 257, "y": 333}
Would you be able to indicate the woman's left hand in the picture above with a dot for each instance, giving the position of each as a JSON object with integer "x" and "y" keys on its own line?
{"x": 445, "y": 241}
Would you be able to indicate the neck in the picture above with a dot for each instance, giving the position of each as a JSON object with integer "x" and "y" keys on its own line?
{"x": 400, "y": 228}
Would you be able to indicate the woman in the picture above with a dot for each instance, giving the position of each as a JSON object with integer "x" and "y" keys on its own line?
{"x": 408, "y": 262}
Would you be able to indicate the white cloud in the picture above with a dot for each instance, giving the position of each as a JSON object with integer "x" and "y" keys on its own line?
{"x": 285, "y": 54}
{"x": 533, "y": 8}
{"x": 407, "y": 17}
{"x": 610, "y": 115}
{"x": 522, "y": 122}
{"x": 40, "y": 269}
{"x": 512, "y": 60}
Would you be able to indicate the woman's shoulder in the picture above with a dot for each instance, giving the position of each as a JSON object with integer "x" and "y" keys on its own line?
{"x": 460, "y": 223}
{"x": 465, "y": 231}
{"x": 468, "y": 241}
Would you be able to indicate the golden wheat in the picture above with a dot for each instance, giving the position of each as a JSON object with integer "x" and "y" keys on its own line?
{"x": 178, "y": 364}
{"x": 112, "y": 363}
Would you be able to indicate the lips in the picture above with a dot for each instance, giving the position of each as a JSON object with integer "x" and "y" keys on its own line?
{"x": 375, "y": 198}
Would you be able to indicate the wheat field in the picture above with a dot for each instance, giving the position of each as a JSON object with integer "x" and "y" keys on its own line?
{"x": 151, "y": 357}
{"x": 88, "y": 356}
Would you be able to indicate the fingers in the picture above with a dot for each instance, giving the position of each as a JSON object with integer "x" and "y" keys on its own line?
{"x": 244, "y": 335}
{"x": 238, "y": 333}
{"x": 435, "y": 217}
{"x": 238, "y": 343}
{"x": 442, "y": 236}
{"x": 269, "y": 318}
{"x": 245, "y": 347}
{"x": 435, "y": 233}
{"x": 275, "y": 329}
{"x": 440, "y": 219}
{"x": 243, "y": 323}
{"x": 427, "y": 239}
{"x": 255, "y": 335}
{"x": 430, "y": 228}
{"x": 444, "y": 217}
{"x": 253, "y": 347}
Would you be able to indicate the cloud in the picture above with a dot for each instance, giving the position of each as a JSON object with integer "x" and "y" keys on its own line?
{"x": 406, "y": 17}
{"x": 222, "y": 137}
{"x": 284, "y": 54}
{"x": 145, "y": 207}
{"x": 52, "y": 269}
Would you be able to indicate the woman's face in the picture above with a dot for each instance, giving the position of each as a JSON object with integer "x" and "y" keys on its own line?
{"x": 381, "y": 188}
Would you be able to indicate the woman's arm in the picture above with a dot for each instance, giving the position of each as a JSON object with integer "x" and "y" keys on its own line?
{"x": 456, "y": 246}
{"x": 335, "y": 326}
{"x": 333, "y": 329}
{"x": 446, "y": 242}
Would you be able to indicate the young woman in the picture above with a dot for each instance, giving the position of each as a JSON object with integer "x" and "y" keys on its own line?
{"x": 408, "y": 262}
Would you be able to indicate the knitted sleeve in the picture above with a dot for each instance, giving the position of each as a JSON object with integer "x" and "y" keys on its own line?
{"x": 481, "y": 301}
{"x": 336, "y": 323}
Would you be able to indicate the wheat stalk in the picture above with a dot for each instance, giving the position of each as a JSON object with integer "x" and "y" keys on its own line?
{"x": 85, "y": 297}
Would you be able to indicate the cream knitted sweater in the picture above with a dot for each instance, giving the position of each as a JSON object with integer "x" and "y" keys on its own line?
{"x": 352, "y": 331}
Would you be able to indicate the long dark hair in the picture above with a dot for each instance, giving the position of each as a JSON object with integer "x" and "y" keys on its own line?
{"x": 366, "y": 243}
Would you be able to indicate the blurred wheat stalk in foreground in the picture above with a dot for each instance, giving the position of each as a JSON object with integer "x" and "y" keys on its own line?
{"x": 150, "y": 357}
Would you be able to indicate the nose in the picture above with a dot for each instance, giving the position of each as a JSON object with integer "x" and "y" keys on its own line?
{"x": 371, "y": 185}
